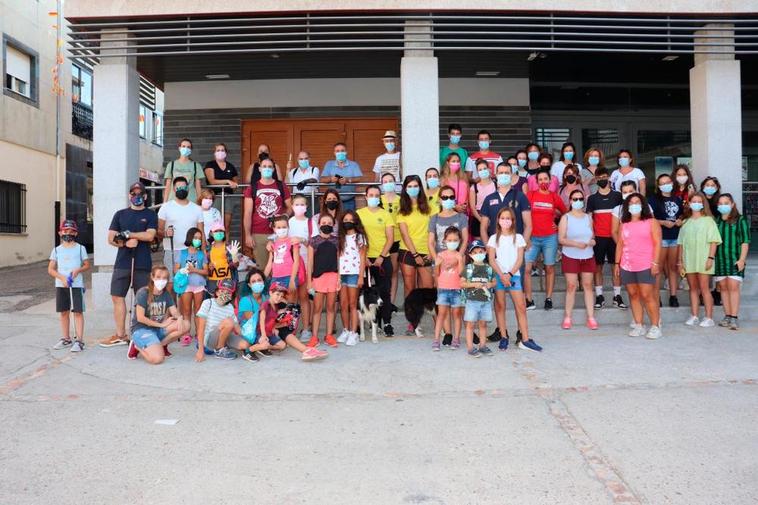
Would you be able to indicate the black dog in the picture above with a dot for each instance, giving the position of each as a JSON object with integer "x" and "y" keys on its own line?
{"x": 419, "y": 301}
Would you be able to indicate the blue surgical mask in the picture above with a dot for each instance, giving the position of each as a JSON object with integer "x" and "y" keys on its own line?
{"x": 388, "y": 187}
{"x": 455, "y": 139}
{"x": 413, "y": 191}
{"x": 484, "y": 145}
{"x": 452, "y": 246}
{"x": 521, "y": 163}
{"x": 624, "y": 162}
{"x": 257, "y": 287}
{"x": 577, "y": 205}
{"x": 267, "y": 173}
{"x": 390, "y": 146}
{"x": 218, "y": 236}
{"x": 478, "y": 257}
{"x": 341, "y": 156}
{"x": 448, "y": 204}
{"x": 666, "y": 188}
{"x": 710, "y": 190}
{"x": 568, "y": 155}
{"x": 433, "y": 182}
{"x": 593, "y": 160}
{"x": 533, "y": 155}
{"x": 185, "y": 151}
{"x": 304, "y": 163}
{"x": 373, "y": 201}
{"x": 484, "y": 173}
{"x": 635, "y": 209}
{"x": 697, "y": 206}
{"x": 503, "y": 179}
{"x": 196, "y": 242}
{"x": 724, "y": 208}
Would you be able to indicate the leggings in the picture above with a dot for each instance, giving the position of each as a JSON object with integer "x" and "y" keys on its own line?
{"x": 383, "y": 279}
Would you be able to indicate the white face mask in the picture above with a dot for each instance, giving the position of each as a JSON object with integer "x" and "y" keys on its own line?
{"x": 160, "y": 284}
{"x": 206, "y": 203}
{"x": 681, "y": 179}
{"x": 281, "y": 232}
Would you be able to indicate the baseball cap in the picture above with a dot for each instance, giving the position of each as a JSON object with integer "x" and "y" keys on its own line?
{"x": 474, "y": 244}
{"x": 226, "y": 284}
{"x": 217, "y": 226}
{"x": 137, "y": 185}
{"x": 275, "y": 286}
{"x": 68, "y": 224}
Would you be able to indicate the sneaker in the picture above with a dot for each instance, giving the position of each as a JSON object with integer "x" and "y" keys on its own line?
{"x": 476, "y": 339}
{"x": 62, "y": 344}
{"x": 503, "y": 345}
{"x": 389, "y": 331}
{"x": 599, "y": 301}
{"x": 530, "y": 345}
{"x": 225, "y": 353}
{"x": 265, "y": 353}
{"x": 618, "y": 302}
{"x": 330, "y": 341}
{"x": 166, "y": 352}
{"x": 447, "y": 340}
{"x": 418, "y": 332}
{"x": 305, "y": 335}
{"x": 474, "y": 353}
{"x": 313, "y": 342}
{"x": 410, "y": 329}
{"x": 132, "y": 352}
{"x": 186, "y": 340}
{"x": 530, "y": 305}
{"x": 113, "y": 341}
{"x": 519, "y": 336}
{"x": 352, "y": 338}
{"x": 724, "y": 323}
{"x": 250, "y": 356}
{"x": 637, "y": 330}
{"x": 592, "y": 323}
{"x": 495, "y": 336}
{"x": 456, "y": 344}
{"x": 734, "y": 324}
{"x": 485, "y": 351}
{"x": 77, "y": 346}
{"x": 313, "y": 354}
{"x": 692, "y": 321}
{"x": 707, "y": 322}
{"x": 673, "y": 301}
{"x": 436, "y": 345}
{"x": 653, "y": 333}
{"x": 716, "y": 297}
{"x": 566, "y": 324}
{"x": 548, "y": 304}
{"x": 343, "y": 336}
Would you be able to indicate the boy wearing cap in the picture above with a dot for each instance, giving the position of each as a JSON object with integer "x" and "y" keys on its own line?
{"x": 388, "y": 162}
{"x": 218, "y": 330}
{"x": 477, "y": 281}
{"x": 67, "y": 262}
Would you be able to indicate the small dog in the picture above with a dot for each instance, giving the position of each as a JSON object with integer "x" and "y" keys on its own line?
{"x": 369, "y": 302}
{"x": 418, "y": 302}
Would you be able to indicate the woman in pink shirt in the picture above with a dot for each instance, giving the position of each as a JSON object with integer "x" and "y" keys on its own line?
{"x": 637, "y": 253}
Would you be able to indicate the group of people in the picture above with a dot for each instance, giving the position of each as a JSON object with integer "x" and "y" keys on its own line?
{"x": 476, "y": 229}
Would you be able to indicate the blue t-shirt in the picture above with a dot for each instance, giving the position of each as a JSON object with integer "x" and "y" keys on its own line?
{"x": 198, "y": 261}
{"x": 494, "y": 202}
{"x": 248, "y": 304}
{"x": 351, "y": 169}
{"x": 67, "y": 260}
{"x": 134, "y": 221}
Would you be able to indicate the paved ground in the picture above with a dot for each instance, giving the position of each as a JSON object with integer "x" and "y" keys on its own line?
{"x": 597, "y": 418}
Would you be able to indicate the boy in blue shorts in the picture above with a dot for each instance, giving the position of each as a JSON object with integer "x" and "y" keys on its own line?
{"x": 477, "y": 281}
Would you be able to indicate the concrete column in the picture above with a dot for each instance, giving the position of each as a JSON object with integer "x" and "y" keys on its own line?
{"x": 716, "y": 111}
{"x": 115, "y": 153}
{"x": 419, "y": 102}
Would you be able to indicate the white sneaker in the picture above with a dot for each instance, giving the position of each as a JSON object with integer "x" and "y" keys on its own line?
{"x": 692, "y": 321}
{"x": 637, "y": 331}
{"x": 653, "y": 333}
{"x": 707, "y": 322}
{"x": 352, "y": 338}
{"x": 343, "y": 336}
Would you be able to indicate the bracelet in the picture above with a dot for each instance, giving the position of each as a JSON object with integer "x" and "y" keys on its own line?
{"x": 416, "y": 255}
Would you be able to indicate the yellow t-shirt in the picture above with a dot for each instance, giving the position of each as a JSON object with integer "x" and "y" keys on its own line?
{"x": 392, "y": 209}
{"x": 220, "y": 263}
{"x": 376, "y": 224}
{"x": 418, "y": 230}
{"x": 434, "y": 202}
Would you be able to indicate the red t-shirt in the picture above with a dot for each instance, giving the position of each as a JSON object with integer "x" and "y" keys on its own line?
{"x": 543, "y": 212}
{"x": 601, "y": 207}
{"x": 268, "y": 203}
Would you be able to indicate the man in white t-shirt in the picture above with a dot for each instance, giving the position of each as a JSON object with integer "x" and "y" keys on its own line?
{"x": 389, "y": 162}
{"x": 306, "y": 174}
{"x": 175, "y": 218}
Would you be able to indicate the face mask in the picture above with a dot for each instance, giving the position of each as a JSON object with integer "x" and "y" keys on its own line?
{"x": 455, "y": 139}
{"x": 455, "y": 166}
{"x": 218, "y": 236}
{"x": 431, "y": 183}
{"x": 635, "y": 209}
{"x": 484, "y": 145}
{"x": 503, "y": 179}
{"x": 506, "y": 223}
{"x": 521, "y": 163}
{"x": 414, "y": 191}
{"x": 332, "y": 204}
{"x": 326, "y": 229}
{"x": 340, "y": 156}
{"x": 478, "y": 257}
{"x": 577, "y": 205}
{"x": 724, "y": 208}
{"x": 223, "y": 297}
{"x": 347, "y": 225}
{"x": 267, "y": 172}
{"x": 373, "y": 201}
{"x": 448, "y": 204}
{"x": 571, "y": 179}
{"x": 568, "y": 155}
{"x": 710, "y": 190}
{"x": 624, "y": 162}
{"x": 185, "y": 151}
{"x": 304, "y": 163}
{"x": 263, "y": 156}
{"x": 681, "y": 179}
{"x": 390, "y": 146}
{"x": 68, "y": 238}
{"x": 666, "y": 188}
{"x": 696, "y": 206}
{"x": 299, "y": 210}
{"x": 533, "y": 155}
{"x": 137, "y": 200}
{"x": 624, "y": 196}
{"x": 196, "y": 242}
{"x": 388, "y": 187}
{"x": 452, "y": 246}
{"x": 593, "y": 160}
{"x": 544, "y": 186}
{"x": 484, "y": 174}
{"x": 160, "y": 284}
{"x": 281, "y": 232}
{"x": 257, "y": 287}
{"x": 181, "y": 192}
{"x": 206, "y": 203}
{"x": 602, "y": 183}
{"x": 220, "y": 155}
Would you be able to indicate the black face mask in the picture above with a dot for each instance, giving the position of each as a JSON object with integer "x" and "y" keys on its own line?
{"x": 571, "y": 179}
{"x": 348, "y": 225}
{"x": 602, "y": 183}
{"x": 332, "y": 204}
{"x": 326, "y": 229}
{"x": 532, "y": 171}
{"x": 68, "y": 238}
{"x": 181, "y": 193}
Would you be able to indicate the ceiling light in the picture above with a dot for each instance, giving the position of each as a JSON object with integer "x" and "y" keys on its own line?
{"x": 670, "y": 57}
{"x": 487, "y": 73}
{"x": 216, "y": 76}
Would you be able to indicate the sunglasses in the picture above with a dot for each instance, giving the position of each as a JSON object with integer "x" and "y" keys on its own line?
{"x": 447, "y": 197}
{"x": 577, "y": 199}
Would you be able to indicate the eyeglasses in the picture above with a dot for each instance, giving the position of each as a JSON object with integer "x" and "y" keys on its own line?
{"x": 577, "y": 199}
{"x": 447, "y": 197}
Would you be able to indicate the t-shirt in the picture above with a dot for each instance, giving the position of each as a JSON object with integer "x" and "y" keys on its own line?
{"x": 213, "y": 313}
{"x": 496, "y": 201}
{"x": 601, "y": 207}
{"x": 533, "y": 185}
{"x": 733, "y": 235}
{"x": 543, "y": 212}
{"x": 283, "y": 263}
{"x": 506, "y": 250}
{"x": 226, "y": 174}
{"x": 324, "y": 255}
{"x": 434, "y": 201}
{"x": 302, "y": 229}
{"x": 375, "y": 223}
{"x": 483, "y": 191}
{"x": 667, "y": 208}
{"x": 297, "y": 175}
{"x": 67, "y": 260}
{"x": 210, "y": 216}
{"x": 638, "y": 252}
{"x": 134, "y": 220}
{"x": 418, "y": 230}
{"x": 438, "y": 225}
{"x": 269, "y": 201}
{"x": 349, "y": 170}
{"x": 249, "y": 304}
{"x": 156, "y": 311}
{"x": 565, "y": 193}
{"x": 617, "y": 178}
{"x": 350, "y": 258}
{"x": 695, "y": 237}
{"x": 388, "y": 163}
{"x": 461, "y": 152}
{"x": 197, "y": 260}
{"x": 460, "y": 188}
{"x": 191, "y": 170}
{"x": 478, "y": 273}
{"x": 392, "y": 208}
{"x": 218, "y": 264}
{"x": 493, "y": 160}
{"x": 450, "y": 274}
{"x": 182, "y": 218}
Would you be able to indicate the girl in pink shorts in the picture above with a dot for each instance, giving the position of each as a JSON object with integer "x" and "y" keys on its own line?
{"x": 323, "y": 278}
{"x": 193, "y": 262}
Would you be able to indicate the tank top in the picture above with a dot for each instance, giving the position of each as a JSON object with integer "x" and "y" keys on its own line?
{"x": 637, "y": 253}
{"x": 579, "y": 229}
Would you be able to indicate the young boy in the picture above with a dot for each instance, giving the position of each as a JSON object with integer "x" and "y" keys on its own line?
{"x": 67, "y": 262}
{"x": 218, "y": 331}
{"x": 211, "y": 215}
{"x": 477, "y": 280}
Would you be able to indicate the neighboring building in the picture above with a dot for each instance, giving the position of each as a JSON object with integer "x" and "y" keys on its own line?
{"x": 39, "y": 181}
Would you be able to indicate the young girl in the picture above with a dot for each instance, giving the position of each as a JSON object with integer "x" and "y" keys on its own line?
{"x": 323, "y": 278}
{"x": 711, "y": 188}
{"x": 390, "y": 202}
{"x": 352, "y": 265}
{"x": 451, "y": 176}
{"x": 211, "y": 214}
{"x": 331, "y": 205}
{"x": 698, "y": 240}
{"x": 284, "y": 261}
{"x": 667, "y": 210}
{"x": 684, "y": 184}
{"x": 301, "y": 227}
{"x": 447, "y": 269}
{"x": 730, "y": 258}
{"x": 506, "y": 255}
{"x": 413, "y": 219}
{"x": 192, "y": 262}
{"x": 571, "y": 181}
{"x": 477, "y": 280}
{"x": 222, "y": 260}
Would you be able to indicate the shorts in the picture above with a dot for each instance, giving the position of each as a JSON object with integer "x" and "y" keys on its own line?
{"x": 349, "y": 280}
{"x": 120, "y": 281}
{"x": 515, "y": 284}
{"x": 477, "y": 311}
{"x": 641, "y": 277}
{"x": 406, "y": 258}
{"x": 285, "y": 281}
{"x": 260, "y": 253}
{"x": 145, "y": 337}
{"x": 578, "y": 266}
{"x": 63, "y": 300}
{"x": 720, "y": 278}
{"x": 231, "y": 203}
{"x": 195, "y": 289}
{"x": 279, "y": 335}
{"x": 669, "y": 242}
{"x": 395, "y": 247}
{"x": 211, "y": 339}
{"x": 548, "y": 246}
{"x": 605, "y": 250}
{"x": 328, "y": 282}
{"x": 449, "y": 297}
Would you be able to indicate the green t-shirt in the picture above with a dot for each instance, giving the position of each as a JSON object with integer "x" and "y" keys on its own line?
{"x": 695, "y": 237}
{"x": 191, "y": 170}
{"x": 445, "y": 152}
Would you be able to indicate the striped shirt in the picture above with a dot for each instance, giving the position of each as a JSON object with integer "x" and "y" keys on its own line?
{"x": 733, "y": 235}
{"x": 214, "y": 313}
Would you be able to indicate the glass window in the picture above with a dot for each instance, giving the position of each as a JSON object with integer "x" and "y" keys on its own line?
{"x": 81, "y": 86}
{"x": 142, "y": 119}
{"x": 605, "y": 139}
{"x": 552, "y": 139}
{"x": 659, "y": 150}
{"x": 157, "y": 129}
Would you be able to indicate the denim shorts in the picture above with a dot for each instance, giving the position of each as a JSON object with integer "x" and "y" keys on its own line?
{"x": 477, "y": 311}
{"x": 669, "y": 242}
{"x": 145, "y": 337}
{"x": 449, "y": 297}
{"x": 349, "y": 280}
{"x": 284, "y": 281}
{"x": 515, "y": 284}
{"x": 548, "y": 246}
